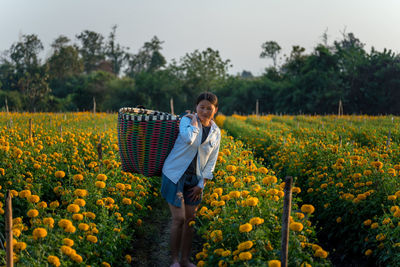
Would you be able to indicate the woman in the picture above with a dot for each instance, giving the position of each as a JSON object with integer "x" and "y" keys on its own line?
{"x": 186, "y": 171}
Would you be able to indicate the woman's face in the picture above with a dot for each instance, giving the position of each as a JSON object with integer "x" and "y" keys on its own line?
{"x": 205, "y": 110}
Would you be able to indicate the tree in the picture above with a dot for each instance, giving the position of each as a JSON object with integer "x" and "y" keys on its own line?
{"x": 91, "y": 49}
{"x": 270, "y": 49}
{"x": 115, "y": 53}
{"x": 31, "y": 78}
{"x": 65, "y": 60}
{"x": 148, "y": 59}
{"x": 203, "y": 71}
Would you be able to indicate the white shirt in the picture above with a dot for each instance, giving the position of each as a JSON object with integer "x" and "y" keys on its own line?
{"x": 187, "y": 144}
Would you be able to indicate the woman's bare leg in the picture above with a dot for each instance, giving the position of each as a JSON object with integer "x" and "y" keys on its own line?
{"x": 178, "y": 219}
{"x": 187, "y": 234}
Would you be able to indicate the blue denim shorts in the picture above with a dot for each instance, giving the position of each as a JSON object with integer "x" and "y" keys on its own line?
{"x": 170, "y": 191}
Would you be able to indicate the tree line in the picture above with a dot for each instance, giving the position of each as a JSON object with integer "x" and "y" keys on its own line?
{"x": 94, "y": 67}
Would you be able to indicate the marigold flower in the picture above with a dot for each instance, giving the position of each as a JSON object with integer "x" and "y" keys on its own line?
{"x": 81, "y": 192}
{"x": 78, "y": 177}
{"x": 53, "y": 260}
{"x": 274, "y": 263}
{"x": 127, "y": 201}
{"x": 368, "y": 252}
{"x": 48, "y": 221}
{"x": 101, "y": 177}
{"x": 64, "y": 223}
{"x": 83, "y": 226}
{"x": 216, "y": 235}
{"x": 77, "y": 258}
{"x": 24, "y": 194}
{"x": 73, "y": 208}
{"x": 252, "y": 201}
{"x": 68, "y": 242}
{"x": 256, "y": 221}
{"x": 245, "y": 245}
{"x": 80, "y": 202}
{"x": 100, "y": 184}
{"x": 59, "y": 174}
{"x": 296, "y": 226}
{"x": 39, "y": 233}
{"x": 20, "y": 246}
{"x": 307, "y": 208}
{"x": 91, "y": 238}
{"x": 321, "y": 253}
{"x": 54, "y": 204}
{"x": 245, "y": 228}
{"x": 32, "y": 213}
{"x": 245, "y": 256}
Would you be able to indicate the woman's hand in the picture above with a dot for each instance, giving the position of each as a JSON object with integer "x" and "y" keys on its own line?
{"x": 193, "y": 118}
{"x": 195, "y": 193}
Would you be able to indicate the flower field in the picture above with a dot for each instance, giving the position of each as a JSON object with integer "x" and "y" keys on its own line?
{"x": 74, "y": 207}
{"x": 347, "y": 168}
{"x": 70, "y": 208}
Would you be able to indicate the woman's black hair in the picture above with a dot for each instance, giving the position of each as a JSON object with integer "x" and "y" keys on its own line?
{"x": 213, "y": 99}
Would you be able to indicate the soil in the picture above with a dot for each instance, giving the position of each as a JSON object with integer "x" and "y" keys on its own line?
{"x": 151, "y": 246}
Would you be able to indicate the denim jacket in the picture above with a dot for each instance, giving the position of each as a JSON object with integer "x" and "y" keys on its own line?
{"x": 187, "y": 144}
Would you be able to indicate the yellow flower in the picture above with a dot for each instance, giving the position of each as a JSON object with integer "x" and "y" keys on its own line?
{"x": 231, "y": 168}
{"x": 245, "y": 256}
{"x": 368, "y": 252}
{"x": 20, "y": 246}
{"x": 127, "y": 201}
{"x": 73, "y": 208}
{"x": 68, "y": 242}
{"x": 39, "y": 233}
{"x": 53, "y": 260}
{"x": 49, "y": 221}
{"x": 64, "y": 223}
{"x": 83, "y": 226}
{"x": 54, "y": 204}
{"x": 67, "y": 250}
{"x": 296, "y": 226}
{"x": 216, "y": 235}
{"x": 321, "y": 253}
{"x": 32, "y": 213}
{"x": 60, "y": 174}
{"x": 245, "y": 245}
{"x": 100, "y": 184}
{"x": 80, "y": 202}
{"x": 274, "y": 263}
{"x": 245, "y": 228}
{"x": 91, "y": 238}
{"x": 252, "y": 201}
{"x": 78, "y": 177}
{"x": 256, "y": 221}
{"x": 307, "y": 208}
{"x": 102, "y": 177}
{"x": 77, "y": 258}
{"x": 24, "y": 194}
{"x": 191, "y": 223}
{"x": 392, "y": 197}
{"x": 230, "y": 179}
{"x": 234, "y": 194}
{"x": 81, "y": 192}
{"x": 201, "y": 264}
{"x": 128, "y": 258}
{"x": 77, "y": 217}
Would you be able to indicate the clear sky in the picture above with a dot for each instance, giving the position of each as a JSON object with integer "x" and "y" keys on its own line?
{"x": 236, "y": 28}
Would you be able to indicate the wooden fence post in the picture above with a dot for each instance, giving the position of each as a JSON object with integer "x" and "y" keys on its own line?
{"x": 257, "y": 107}
{"x": 171, "y": 103}
{"x": 9, "y": 233}
{"x": 30, "y": 128}
{"x": 287, "y": 207}
{"x": 94, "y": 105}
{"x": 6, "y": 105}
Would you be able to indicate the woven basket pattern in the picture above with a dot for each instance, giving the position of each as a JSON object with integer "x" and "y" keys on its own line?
{"x": 145, "y": 139}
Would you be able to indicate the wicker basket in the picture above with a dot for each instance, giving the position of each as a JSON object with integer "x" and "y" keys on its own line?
{"x": 145, "y": 139}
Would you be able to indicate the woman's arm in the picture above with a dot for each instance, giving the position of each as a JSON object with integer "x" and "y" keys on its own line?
{"x": 210, "y": 165}
{"x": 188, "y": 129}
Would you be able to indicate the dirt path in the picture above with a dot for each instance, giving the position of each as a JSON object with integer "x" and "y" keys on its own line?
{"x": 151, "y": 246}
